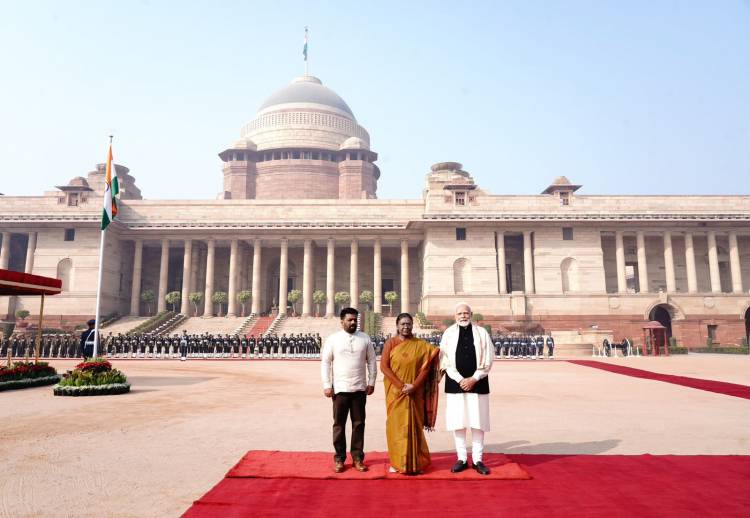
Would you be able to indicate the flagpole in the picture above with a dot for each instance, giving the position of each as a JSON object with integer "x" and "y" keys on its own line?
{"x": 101, "y": 275}
{"x": 307, "y": 70}
{"x": 99, "y": 291}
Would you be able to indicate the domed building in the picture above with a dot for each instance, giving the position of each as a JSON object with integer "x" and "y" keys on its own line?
{"x": 580, "y": 267}
{"x": 304, "y": 143}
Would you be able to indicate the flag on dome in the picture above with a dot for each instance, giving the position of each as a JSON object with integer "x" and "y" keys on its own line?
{"x": 111, "y": 188}
{"x": 304, "y": 49}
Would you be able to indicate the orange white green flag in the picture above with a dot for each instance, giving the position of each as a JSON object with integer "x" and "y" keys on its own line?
{"x": 111, "y": 188}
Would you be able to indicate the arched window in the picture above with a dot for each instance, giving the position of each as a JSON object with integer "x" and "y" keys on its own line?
{"x": 461, "y": 275}
{"x": 64, "y": 268}
{"x": 569, "y": 274}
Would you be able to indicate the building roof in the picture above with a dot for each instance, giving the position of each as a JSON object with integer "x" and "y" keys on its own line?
{"x": 307, "y": 90}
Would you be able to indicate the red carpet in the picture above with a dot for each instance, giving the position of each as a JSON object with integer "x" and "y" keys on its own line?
{"x": 317, "y": 465}
{"x": 574, "y": 485}
{"x": 720, "y": 387}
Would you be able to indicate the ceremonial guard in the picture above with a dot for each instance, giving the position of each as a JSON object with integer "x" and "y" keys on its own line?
{"x": 87, "y": 340}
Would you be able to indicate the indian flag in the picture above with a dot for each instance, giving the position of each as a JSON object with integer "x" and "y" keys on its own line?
{"x": 304, "y": 49}
{"x": 111, "y": 188}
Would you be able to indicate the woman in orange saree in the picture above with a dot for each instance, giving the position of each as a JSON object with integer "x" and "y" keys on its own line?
{"x": 410, "y": 368}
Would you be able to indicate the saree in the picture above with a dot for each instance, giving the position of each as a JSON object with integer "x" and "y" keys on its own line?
{"x": 415, "y": 362}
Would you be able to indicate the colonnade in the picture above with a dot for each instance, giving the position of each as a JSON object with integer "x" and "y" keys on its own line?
{"x": 189, "y": 277}
{"x": 669, "y": 262}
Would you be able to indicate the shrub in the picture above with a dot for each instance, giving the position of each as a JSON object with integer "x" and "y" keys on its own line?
{"x": 148, "y": 297}
{"x": 173, "y": 298}
{"x": 366, "y": 297}
{"x": 390, "y": 298}
{"x": 220, "y": 298}
{"x": 92, "y": 373}
{"x": 26, "y": 370}
{"x": 244, "y": 297}
{"x": 722, "y": 350}
{"x": 447, "y": 322}
{"x": 678, "y": 350}
{"x": 477, "y": 317}
{"x": 196, "y": 297}
{"x": 293, "y": 297}
{"x": 319, "y": 297}
{"x": 22, "y": 313}
{"x": 341, "y": 298}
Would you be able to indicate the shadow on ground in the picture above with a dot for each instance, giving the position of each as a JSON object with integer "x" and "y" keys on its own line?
{"x": 165, "y": 381}
{"x": 555, "y": 448}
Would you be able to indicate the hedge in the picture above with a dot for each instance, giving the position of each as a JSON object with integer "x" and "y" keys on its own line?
{"x": 92, "y": 390}
{"x": 29, "y": 382}
{"x": 678, "y": 350}
{"x": 722, "y": 350}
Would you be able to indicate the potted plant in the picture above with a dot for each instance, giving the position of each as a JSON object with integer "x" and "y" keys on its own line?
{"x": 341, "y": 298}
{"x": 293, "y": 297}
{"x": 244, "y": 297}
{"x": 319, "y": 297}
{"x": 148, "y": 297}
{"x": 195, "y": 298}
{"x": 173, "y": 298}
{"x": 366, "y": 297}
{"x": 390, "y": 298}
{"x": 22, "y": 314}
{"x": 220, "y": 298}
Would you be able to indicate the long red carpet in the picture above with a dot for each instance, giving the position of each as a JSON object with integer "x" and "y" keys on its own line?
{"x": 720, "y": 387}
{"x": 562, "y": 485}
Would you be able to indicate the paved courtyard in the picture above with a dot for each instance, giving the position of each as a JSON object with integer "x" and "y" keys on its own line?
{"x": 153, "y": 451}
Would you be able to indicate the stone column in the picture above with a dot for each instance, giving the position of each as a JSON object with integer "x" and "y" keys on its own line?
{"x": 161, "y": 304}
{"x": 208, "y": 304}
{"x": 669, "y": 262}
{"x": 377, "y": 276}
{"x": 734, "y": 263}
{"x": 194, "y": 266}
{"x": 232, "y": 291}
{"x": 528, "y": 264}
{"x": 354, "y": 274}
{"x": 255, "y": 303}
{"x": 187, "y": 261}
{"x": 692, "y": 277}
{"x": 283, "y": 275}
{"x": 622, "y": 285}
{"x": 307, "y": 279}
{"x": 5, "y": 251}
{"x": 404, "y": 276}
{"x": 502, "y": 281}
{"x": 30, "y": 251}
{"x": 713, "y": 263}
{"x": 330, "y": 281}
{"x": 642, "y": 264}
{"x": 135, "y": 289}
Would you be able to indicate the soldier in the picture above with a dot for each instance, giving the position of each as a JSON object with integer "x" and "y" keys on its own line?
{"x": 184, "y": 345}
{"x": 539, "y": 347}
{"x": 87, "y": 340}
{"x": 497, "y": 341}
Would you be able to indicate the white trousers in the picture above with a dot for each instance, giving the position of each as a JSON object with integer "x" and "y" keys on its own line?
{"x": 477, "y": 444}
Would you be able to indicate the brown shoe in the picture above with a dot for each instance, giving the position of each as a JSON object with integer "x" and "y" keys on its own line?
{"x": 360, "y": 466}
{"x": 338, "y": 467}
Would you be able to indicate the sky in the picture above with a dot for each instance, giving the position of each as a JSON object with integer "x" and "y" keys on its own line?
{"x": 637, "y": 97}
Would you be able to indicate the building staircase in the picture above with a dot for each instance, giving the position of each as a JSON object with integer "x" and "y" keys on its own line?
{"x": 246, "y": 324}
{"x": 260, "y": 326}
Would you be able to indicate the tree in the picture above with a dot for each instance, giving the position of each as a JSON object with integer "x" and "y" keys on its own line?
{"x": 244, "y": 297}
{"x": 478, "y": 317}
{"x": 220, "y": 298}
{"x": 366, "y": 297}
{"x": 390, "y": 298}
{"x": 196, "y": 297}
{"x": 341, "y": 298}
{"x": 22, "y": 313}
{"x": 148, "y": 297}
{"x": 293, "y": 297}
{"x": 173, "y": 298}
{"x": 319, "y": 297}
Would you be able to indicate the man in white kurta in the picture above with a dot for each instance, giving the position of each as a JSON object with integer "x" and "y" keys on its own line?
{"x": 466, "y": 354}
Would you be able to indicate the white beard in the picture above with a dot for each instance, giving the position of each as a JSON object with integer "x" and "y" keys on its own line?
{"x": 464, "y": 323}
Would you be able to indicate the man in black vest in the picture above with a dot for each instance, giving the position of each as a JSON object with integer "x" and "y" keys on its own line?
{"x": 466, "y": 355}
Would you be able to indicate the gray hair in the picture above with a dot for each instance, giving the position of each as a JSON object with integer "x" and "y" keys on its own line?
{"x": 460, "y": 304}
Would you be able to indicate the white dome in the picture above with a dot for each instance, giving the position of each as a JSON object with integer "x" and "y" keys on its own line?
{"x": 354, "y": 143}
{"x": 306, "y": 90}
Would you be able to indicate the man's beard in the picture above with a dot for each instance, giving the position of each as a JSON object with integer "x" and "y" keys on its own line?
{"x": 463, "y": 323}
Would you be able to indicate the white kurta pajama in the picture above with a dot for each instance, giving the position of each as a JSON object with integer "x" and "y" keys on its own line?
{"x": 467, "y": 410}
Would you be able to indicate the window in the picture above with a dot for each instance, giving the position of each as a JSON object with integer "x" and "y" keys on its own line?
{"x": 70, "y": 234}
{"x": 460, "y": 197}
{"x": 564, "y": 198}
{"x": 712, "y": 333}
{"x": 73, "y": 199}
{"x": 567, "y": 233}
{"x": 460, "y": 234}
{"x": 240, "y": 156}
{"x": 295, "y": 155}
{"x": 316, "y": 156}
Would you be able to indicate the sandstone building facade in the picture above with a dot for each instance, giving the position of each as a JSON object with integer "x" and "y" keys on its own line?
{"x": 558, "y": 259}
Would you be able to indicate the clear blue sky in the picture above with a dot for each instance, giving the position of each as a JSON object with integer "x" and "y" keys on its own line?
{"x": 623, "y": 97}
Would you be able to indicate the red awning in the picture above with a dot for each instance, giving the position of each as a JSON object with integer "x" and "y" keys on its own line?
{"x": 653, "y": 325}
{"x": 17, "y": 283}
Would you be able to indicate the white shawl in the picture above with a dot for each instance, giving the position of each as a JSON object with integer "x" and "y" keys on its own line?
{"x": 482, "y": 345}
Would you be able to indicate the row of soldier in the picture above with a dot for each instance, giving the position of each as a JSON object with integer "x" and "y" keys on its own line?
{"x": 208, "y": 345}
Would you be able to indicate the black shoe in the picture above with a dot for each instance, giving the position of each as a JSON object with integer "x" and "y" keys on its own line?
{"x": 481, "y": 468}
{"x": 459, "y": 466}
